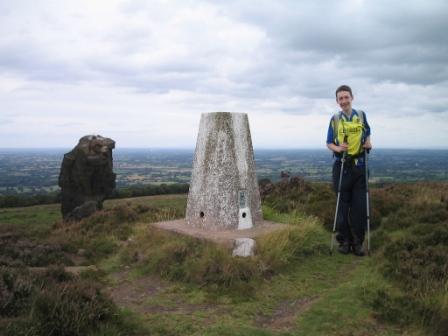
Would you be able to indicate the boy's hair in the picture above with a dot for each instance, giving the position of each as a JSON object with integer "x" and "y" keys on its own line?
{"x": 344, "y": 88}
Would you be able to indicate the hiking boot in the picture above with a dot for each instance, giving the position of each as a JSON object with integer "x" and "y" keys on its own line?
{"x": 344, "y": 248}
{"x": 357, "y": 251}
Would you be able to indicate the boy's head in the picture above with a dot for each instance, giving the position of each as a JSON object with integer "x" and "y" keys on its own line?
{"x": 344, "y": 88}
{"x": 344, "y": 98}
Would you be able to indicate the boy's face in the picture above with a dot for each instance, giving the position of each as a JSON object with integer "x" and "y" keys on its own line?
{"x": 344, "y": 99}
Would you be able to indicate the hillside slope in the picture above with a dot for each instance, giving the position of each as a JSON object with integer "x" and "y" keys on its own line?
{"x": 150, "y": 282}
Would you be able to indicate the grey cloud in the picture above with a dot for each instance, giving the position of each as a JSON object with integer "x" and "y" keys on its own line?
{"x": 421, "y": 74}
{"x": 69, "y": 124}
{"x": 438, "y": 106}
{"x": 27, "y": 59}
{"x": 382, "y": 42}
{"x": 392, "y": 54}
{"x": 179, "y": 75}
{"x": 381, "y": 35}
{"x": 6, "y": 121}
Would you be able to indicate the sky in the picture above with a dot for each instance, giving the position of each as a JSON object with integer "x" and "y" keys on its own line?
{"x": 142, "y": 72}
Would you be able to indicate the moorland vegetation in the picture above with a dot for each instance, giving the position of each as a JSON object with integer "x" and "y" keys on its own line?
{"x": 114, "y": 274}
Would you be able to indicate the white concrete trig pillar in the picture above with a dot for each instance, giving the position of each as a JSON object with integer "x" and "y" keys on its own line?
{"x": 224, "y": 191}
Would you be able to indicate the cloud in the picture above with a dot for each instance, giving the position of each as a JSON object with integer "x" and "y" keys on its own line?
{"x": 140, "y": 44}
{"x": 169, "y": 61}
{"x": 400, "y": 42}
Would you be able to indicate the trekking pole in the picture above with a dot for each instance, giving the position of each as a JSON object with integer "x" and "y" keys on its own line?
{"x": 366, "y": 156}
{"x": 338, "y": 198}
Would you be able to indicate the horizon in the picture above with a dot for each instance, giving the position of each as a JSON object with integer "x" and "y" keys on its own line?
{"x": 39, "y": 168}
{"x": 192, "y": 148}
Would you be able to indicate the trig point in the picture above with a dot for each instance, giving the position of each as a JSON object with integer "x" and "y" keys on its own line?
{"x": 224, "y": 191}
{"x": 224, "y": 201}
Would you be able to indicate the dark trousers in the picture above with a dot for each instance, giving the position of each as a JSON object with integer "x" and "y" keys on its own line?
{"x": 352, "y": 215}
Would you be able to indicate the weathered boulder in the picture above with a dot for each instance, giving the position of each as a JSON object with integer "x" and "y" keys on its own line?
{"x": 86, "y": 177}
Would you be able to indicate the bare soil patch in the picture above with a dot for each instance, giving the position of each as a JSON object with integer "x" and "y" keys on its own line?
{"x": 284, "y": 316}
{"x": 134, "y": 294}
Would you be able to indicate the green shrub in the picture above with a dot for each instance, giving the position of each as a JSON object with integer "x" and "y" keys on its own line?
{"x": 389, "y": 199}
{"x": 379, "y": 238}
{"x": 432, "y": 213}
{"x": 412, "y": 246}
{"x": 116, "y": 222}
{"x": 324, "y": 209}
{"x": 319, "y": 199}
{"x": 21, "y": 251}
{"x": 16, "y": 288}
{"x": 19, "y": 326}
{"x": 56, "y": 274}
{"x": 286, "y": 195}
{"x": 432, "y": 234}
{"x": 401, "y": 219}
{"x": 278, "y": 249}
{"x": 141, "y": 208}
{"x": 217, "y": 269}
{"x": 72, "y": 308}
{"x": 394, "y": 306}
{"x": 180, "y": 258}
{"x": 169, "y": 259}
{"x": 101, "y": 247}
{"x": 55, "y": 302}
{"x": 417, "y": 266}
{"x": 124, "y": 213}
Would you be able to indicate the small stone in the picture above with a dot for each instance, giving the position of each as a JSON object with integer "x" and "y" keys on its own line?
{"x": 81, "y": 252}
{"x": 243, "y": 247}
{"x": 136, "y": 257}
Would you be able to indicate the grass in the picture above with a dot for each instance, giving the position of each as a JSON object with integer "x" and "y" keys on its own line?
{"x": 35, "y": 236}
{"x": 293, "y": 218}
{"x": 34, "y": 221}
{"x": 342, "y": 309}
{"x": 300, "y": 273}
{"x": 167, "y": 284}
{"x": 38, "y": 221}
{"x": 324, "y": 288}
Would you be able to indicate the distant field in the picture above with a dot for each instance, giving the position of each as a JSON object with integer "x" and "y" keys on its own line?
{"x": 35, "y": 171}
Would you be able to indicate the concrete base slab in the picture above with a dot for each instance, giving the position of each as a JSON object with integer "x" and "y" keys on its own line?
{"x": 227, "y": 238}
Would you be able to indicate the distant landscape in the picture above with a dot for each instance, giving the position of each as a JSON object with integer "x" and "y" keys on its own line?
{"x": 35, "y": 171}
{"x": 115, "y": 274}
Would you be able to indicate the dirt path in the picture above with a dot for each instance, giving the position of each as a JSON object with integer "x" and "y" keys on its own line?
{"x": 285, "y": 315}
{"x": 136, "y": 294}
{"x": 133, "y": 293}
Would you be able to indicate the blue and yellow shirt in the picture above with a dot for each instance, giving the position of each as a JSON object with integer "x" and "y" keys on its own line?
{"x": 355, "y": 128}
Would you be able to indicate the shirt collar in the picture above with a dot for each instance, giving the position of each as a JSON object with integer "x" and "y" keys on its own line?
{"x": 342, "y": 115}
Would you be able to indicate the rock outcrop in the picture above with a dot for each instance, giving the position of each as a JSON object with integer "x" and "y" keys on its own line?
{"x": 86, "y": 177}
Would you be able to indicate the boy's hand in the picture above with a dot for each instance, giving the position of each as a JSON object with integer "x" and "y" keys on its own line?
{"x": 342, "y": 148}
